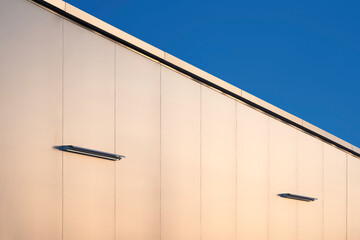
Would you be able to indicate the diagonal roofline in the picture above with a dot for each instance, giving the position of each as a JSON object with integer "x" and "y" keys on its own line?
{"x": 74, "y": 14}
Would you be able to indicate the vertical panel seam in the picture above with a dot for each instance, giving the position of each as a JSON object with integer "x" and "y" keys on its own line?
{"x": 115, "y": 140}
{"x": 268, "y": 172}
{"x": 323, "y": 192}
{"x": 62, "y": 128}
{"x": 160, "y": 139}
{"x": 201, "y": 158}
{"x": 236, "y": 170}
{"x": 297, "y": 184}
{"x": 347, "y": 196}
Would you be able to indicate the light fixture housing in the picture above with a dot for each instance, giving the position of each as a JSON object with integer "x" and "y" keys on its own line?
{"x": 90, "y": 152}
{"x": 297, "y": 197}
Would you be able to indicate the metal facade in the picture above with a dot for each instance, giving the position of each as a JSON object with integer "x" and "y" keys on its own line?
{"x": 199, "y": 164}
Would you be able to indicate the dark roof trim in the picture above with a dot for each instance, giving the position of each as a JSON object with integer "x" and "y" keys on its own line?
{"x": 192, "y": 75}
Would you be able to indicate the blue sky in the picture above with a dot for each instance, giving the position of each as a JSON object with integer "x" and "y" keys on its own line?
{"x": 302, "y": 56}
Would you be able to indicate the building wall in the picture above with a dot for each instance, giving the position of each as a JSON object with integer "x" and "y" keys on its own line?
{"x": 199, "y": 164}
{"x": 30, "y": 122}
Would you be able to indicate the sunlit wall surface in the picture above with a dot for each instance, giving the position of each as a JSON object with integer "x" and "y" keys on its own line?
{"x": 199, "y": 164}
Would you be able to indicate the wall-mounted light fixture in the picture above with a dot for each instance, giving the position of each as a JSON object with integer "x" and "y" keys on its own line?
{"x": 297, "y": 197}
{"x": 90, "y": 152}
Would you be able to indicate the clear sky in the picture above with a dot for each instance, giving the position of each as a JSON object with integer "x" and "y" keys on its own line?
{"x": 302, "y": 56}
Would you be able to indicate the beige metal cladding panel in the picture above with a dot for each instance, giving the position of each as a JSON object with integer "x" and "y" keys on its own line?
{"x": 334, "y": 193}
{"x": 310, "y": 183}
{"x": 180, "y": 157}
{"x": 137, "y": 137}
{"x": 252, "y": 174}
{"x": 218, "y": 166}
{"x": 353, "y": 204}
{"x": 88, "y": 122}
{"x": 30, "y": 123}
{"x": 282, "y": 179}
